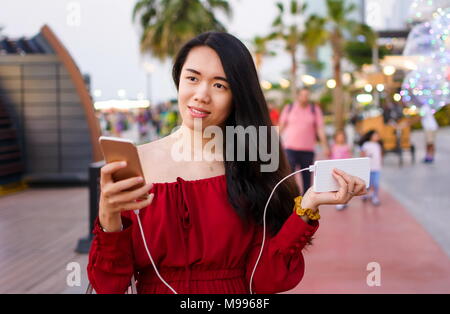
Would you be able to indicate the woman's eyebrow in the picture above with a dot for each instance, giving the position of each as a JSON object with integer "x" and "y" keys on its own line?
{"x": 216, "y": 77}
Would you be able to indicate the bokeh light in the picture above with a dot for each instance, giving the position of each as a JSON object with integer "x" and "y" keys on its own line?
{"x": 428, "y": 84}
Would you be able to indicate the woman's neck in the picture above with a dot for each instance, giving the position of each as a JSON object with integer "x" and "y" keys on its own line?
{"x": 195, "y": 142}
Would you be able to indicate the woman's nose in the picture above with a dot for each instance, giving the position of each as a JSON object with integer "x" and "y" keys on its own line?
{"x": 202, "y": 94}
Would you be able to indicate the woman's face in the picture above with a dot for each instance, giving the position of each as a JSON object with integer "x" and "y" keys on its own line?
{"x": 204, "y": 87}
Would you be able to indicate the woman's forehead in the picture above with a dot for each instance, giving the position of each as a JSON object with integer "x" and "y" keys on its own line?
{"x": 205, "y": 61}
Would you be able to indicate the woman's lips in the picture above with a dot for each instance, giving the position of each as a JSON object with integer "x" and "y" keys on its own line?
{"x": 198, "y": 113}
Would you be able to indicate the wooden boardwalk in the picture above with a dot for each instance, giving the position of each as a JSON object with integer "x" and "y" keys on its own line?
{"x": 39, "y": 230}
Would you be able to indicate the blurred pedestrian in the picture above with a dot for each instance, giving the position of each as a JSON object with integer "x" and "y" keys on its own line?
{"x": 372, "y": 147}
{"x": 143, "y": 124}
{"x": 430, "y": 127}
{"x": 340, "y": 149}
{"x": 301, "y": 123}
{"x": 274, "y": 113}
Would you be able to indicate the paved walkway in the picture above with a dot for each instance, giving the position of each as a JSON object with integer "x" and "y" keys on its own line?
{"x": 408, "y": 236}
{"x": 424, "y": 188}
{"x": 410, "y": 260}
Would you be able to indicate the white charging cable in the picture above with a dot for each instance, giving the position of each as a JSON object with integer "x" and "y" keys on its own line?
{"x": 148, "y": 253}
{"x": 310, "y": 168}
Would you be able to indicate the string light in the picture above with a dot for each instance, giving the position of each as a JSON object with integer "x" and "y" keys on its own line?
{"x": 428, "y": 83}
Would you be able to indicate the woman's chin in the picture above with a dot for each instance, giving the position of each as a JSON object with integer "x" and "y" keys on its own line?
{"x": 195, "y": 123}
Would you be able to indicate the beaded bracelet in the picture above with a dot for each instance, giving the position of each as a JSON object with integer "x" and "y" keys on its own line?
{"x": 313, "y": 215}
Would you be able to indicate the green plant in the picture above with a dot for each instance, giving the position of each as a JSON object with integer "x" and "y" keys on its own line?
{"x": 168, "y": 24}
{"x": 360, "y": 53}
{"x": 443, "y": 116}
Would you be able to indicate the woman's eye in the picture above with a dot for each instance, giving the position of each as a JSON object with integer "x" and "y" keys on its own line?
{"x": 192, "y": 78}
{"x": 220, "y": 86}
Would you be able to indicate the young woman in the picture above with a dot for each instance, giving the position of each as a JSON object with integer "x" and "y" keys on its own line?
{"x": 203, "y": 219}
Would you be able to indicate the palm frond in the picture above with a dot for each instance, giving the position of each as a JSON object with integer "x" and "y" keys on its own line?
{"x": 294, "y": 7}
{"x": 168, "y": 24}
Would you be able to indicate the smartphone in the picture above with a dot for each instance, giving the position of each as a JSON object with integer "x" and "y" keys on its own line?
{"x": 120, "y": 149}
{"x": 324, "y": 180}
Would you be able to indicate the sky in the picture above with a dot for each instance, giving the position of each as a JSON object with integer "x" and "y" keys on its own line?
{"x": 102, "y": 39}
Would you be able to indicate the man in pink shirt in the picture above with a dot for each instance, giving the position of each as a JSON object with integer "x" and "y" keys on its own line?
{"x": 300, "y": 124}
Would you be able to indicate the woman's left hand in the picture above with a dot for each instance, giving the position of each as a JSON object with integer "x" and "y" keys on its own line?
{"x": 349, "y": 186}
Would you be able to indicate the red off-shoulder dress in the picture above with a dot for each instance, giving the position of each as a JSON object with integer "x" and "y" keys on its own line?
{"x": 199, "y": 244}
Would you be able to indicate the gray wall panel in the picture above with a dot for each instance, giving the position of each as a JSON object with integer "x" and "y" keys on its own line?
{"x": 71, "y": 124}
{"x": 75, "y": 138}
{"x": 9, "y": 70}
{"x": 75, "y": 164}
{"x": 71, "y": 111}
{"x": 40, "y": 97}
{"x": 45, "y": 124}
{"x": 39, "y": 70}
{"x": 49, "y": 84}
{"x": 43, "y": 151}
{"x": 37, "y": 138}
{"x": 42, "y": 165}
{"x": 67, "y": 83}
{"x": 45, "y": 147}
{"x": 12, "y": 98}
{"x": 76, "y": 151}
{"x": 63, "y": 71}
{"x": 40, "y": 111}
{"x": 10, "y": 84}
{"x": 70, "y": 97}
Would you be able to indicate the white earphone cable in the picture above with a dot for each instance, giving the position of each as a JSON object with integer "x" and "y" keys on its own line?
{"x": 310, "y": 168}
{"x": 150, "y": 256}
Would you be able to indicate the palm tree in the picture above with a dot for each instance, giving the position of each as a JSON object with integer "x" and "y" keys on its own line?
{"x": 168, "y": 24}
{"x": 260, "y": 50}
{"x": 339, "y": 26}
{"x": 290, "y": 34}
{"x": 314, "y": 36}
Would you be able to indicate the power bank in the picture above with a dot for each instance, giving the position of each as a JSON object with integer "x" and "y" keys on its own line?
{"x": 324, "y": 180}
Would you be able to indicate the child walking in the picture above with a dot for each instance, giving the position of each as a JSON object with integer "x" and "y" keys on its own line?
{"x": 340, "y": 150}
{"x": 371, "y": 146}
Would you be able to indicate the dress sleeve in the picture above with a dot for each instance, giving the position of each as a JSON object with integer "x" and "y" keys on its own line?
{"x": 110, "y": 264}
{"x": 281, "y": 266}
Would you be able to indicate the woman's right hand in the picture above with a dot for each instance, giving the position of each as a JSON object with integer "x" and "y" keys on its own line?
{"x": 113, "y": 198}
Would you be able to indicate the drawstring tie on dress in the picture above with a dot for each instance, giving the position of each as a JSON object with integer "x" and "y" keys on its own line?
{"x": 184, "y": 225}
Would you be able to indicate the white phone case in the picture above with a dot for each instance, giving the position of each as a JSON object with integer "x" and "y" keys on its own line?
{"x": 324, "y": 180}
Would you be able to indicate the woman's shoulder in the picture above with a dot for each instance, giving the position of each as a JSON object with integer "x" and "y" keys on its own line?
{"x": 156, "y": 159}
{"x": 156, "y": 145}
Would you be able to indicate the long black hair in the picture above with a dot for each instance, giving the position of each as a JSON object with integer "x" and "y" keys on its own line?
{"x": 248, "y": 187}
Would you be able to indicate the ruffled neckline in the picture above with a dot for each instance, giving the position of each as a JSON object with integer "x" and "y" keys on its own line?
{"x": 196, "y": 181}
